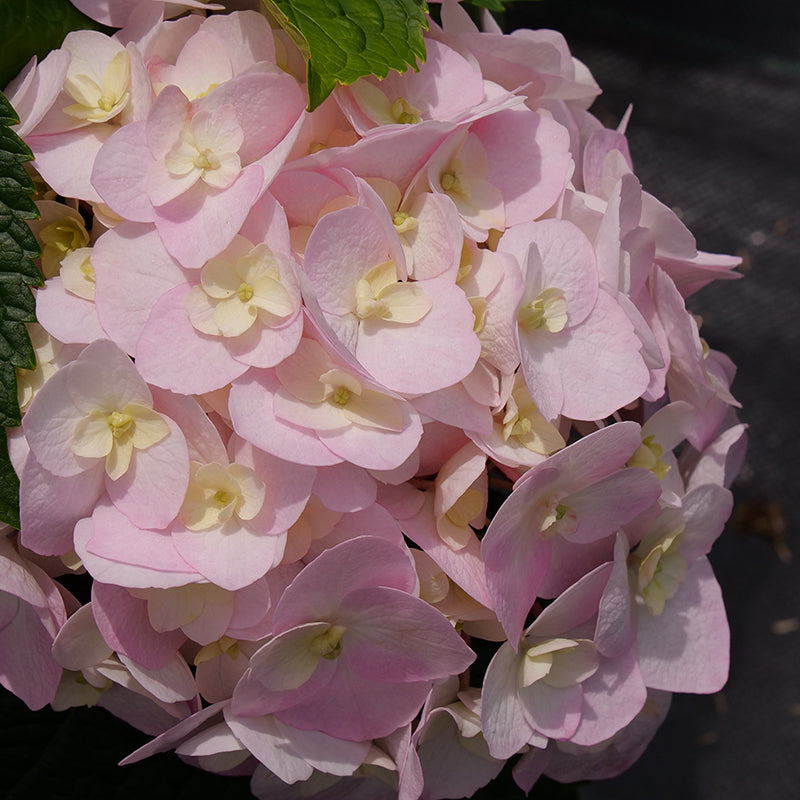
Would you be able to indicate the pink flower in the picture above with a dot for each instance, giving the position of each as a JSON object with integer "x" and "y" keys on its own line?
{"x": 577, "y": 497}
{"x": 95, "y": 419}
{"x": 31, "y": 613}
{"x": 354, "y": 653}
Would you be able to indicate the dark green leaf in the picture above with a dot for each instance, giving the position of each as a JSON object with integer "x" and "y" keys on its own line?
{"x": 9, "y": 488}
{"x": 344, "y": 40}
{"x": 18, "y": 273}
{"x": 29, "y": 27}
{"x": 9, "y": 407}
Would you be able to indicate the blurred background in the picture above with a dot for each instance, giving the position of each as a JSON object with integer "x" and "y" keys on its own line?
{"x": 714, "y": 134}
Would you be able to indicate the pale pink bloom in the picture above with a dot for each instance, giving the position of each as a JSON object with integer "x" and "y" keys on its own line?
{"x": 447, "y": 595}
{"x": 51, "y": 355}
{"x": 239, "y": 502}
{"x": 149, "y": 698}
{"x": 317, "y": 409}
{"x": 558, "y": 682}
{"x": 694, "y": 374}
{"x": 293, "y": 754}
{"x": 326, "y": 128}
{"x": 361, "y": 294}
{"x": 374, "y": 521}
{"x": 674, "y": 596}
{"x": 375, "y": 779}
{"x": 245, "y": 311}
{"x": 520, "y": 437}
{"x": 31, "y": 613}
{"x": 720, "y": 462}
{"x": 95, "y": 418}
{"x": 220, "y": 665}
{"x": 350, "y": 635}
{"x": 460, "y": 496}
{"x": 124, "y": 297}
{"x": 445, "y": 88}
{"x": 571, "y": 332}
{"x": 73, "y": 102}
{"x": 573, "y": 499}
{"x": 494, "y": 287}
{"x": 567, "y": 762}
{"x": 463, "y": 565}
{"x": 33, "y": 92}
{"x": 60, "y": 230}
{"x": 504, "y": 169}
{"x": 538, "y": 63}
{"x": 428, "y": 227}
{"x": 452, "y": 751}
{"x": 65, "y": 304}
{"x": 410, "y": 146}
{"x": 117, "y": 12}
{"x": 214, "y": 51}
{"x": 196, "y": 168}
{"x": 87, "y": 82}
{"x": 233, "y": 523}
{"x": 625, "y": 250}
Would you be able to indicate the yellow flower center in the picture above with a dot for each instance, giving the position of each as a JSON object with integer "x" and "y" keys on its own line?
{"x": 548, "y": 310}
{"x": 120, "y": 423}
{"x": 328, "y": 645}
{"x": 341, "y": 396}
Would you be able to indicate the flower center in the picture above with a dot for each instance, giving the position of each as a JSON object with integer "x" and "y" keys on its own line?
{"x": 120, "y": 423}
{"x": 661, "y": 572}
{"x": 206, "y": 159}
{"x": 649, "y": 456}
{"x": 340, "y": 396}
{"x": 404, "y": 113}
{"x": 548, "y": 310}
{"x": 328, "y": 645}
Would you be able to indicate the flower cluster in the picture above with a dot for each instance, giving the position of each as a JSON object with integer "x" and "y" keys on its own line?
{"x": 283, "y": 357}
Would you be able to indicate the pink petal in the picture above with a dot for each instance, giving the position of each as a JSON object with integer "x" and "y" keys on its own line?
{"x": 120, "y": 173}
{"x": 686, "y": 647}
{"x": 123, "y": 621}
{"x": 316, "y": 593}
{"x": 516, "y": 557}
{"x": 394, "y": 637}
{"x": 124, "y": 296}
{"x": 202, "y": 222}
{"x": 51, "y": 505}
{"x": 25, "y": 642}
{"x": 151, "y": 492}
{"x": 194, "y": 363}
{"x": 114, "y": 550}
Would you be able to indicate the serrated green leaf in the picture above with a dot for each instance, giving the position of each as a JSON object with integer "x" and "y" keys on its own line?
{"x": 29, "y": 27}
{"x": 18, "y": 248}
{"x": 9, "y": 488}
{"x": 344, "y": 40}
{"x": 10, "y": 415}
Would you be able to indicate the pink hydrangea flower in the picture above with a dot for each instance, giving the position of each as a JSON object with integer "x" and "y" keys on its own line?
{"x": 354, "y": 652}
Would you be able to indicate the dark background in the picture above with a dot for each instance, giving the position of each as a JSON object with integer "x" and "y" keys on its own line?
{"x": 716, "y": 94}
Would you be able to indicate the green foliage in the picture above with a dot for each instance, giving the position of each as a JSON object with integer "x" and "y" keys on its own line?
{"x": 29, "y": 27}
{"x": 18, "y": 273}
{"x": 9, "y": 488}
{"x": 344, "y": 40}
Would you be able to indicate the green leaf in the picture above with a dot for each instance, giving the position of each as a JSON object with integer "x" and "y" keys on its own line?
{"x": 344, "y": 40}
{"x": 18, "y": 273}
{"x": 9, "y": 487}
{"x": 29, "y": 27}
